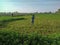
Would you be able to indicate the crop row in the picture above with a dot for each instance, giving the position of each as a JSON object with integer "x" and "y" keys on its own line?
{"x": 15, "y": 38}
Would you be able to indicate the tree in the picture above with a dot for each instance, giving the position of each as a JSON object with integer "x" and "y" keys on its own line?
{"x": 58, "y": 11}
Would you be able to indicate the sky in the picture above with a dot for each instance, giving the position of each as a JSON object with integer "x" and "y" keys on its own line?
{"x": 29, "y": 5}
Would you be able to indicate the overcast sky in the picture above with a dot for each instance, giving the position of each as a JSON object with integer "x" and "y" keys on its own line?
{"x": 29, "y": 5}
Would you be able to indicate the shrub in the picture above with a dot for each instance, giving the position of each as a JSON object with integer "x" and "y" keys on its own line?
{"x": 15, "y": 38}
{"x": 9, "y": 38}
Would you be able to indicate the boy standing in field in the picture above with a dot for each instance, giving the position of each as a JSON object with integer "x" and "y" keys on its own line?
{"x": 33, "y": 19}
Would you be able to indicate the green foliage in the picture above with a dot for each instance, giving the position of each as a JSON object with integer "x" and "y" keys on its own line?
{"x": 45, "y": 31}
{"x": 5, "y": 19}
{"x": 9, "y": 38}
{"x": 15, "y": 38}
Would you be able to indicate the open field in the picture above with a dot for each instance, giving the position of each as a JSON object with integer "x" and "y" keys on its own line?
{"x": 44, "y": 25}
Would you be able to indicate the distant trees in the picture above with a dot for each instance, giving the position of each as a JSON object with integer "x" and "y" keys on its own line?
{"x": 16, "y": 13}
{"x": 58, "y": 11}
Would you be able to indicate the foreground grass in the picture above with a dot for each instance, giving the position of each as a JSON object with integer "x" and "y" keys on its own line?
{"x": 15, "y": 38}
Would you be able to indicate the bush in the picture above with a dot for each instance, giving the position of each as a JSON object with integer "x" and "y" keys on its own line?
{"x": 15, "y": 38}
{"x": 9, "y": 38}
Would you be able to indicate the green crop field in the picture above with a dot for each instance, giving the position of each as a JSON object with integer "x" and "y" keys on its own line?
{"x": 45, "y": 25}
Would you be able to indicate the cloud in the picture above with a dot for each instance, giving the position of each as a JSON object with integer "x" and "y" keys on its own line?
{"x": 7, "y": 6}
{"x": 29, "y": 5}
{"x": 5, "y": 0}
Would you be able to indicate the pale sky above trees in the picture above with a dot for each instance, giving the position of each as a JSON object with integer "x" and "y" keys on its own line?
{"x": 29, "y": 5}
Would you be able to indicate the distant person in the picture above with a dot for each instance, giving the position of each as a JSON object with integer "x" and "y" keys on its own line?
{"x": 33, "y": 19}
{"x": 12, "y": 14}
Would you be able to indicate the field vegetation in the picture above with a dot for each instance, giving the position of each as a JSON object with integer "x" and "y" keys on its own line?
{"x": 18, "y": 29}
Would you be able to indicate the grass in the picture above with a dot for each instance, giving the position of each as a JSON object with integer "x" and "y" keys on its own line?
{"x": 5, "y": 19}
{"x": 46, "y": 25}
